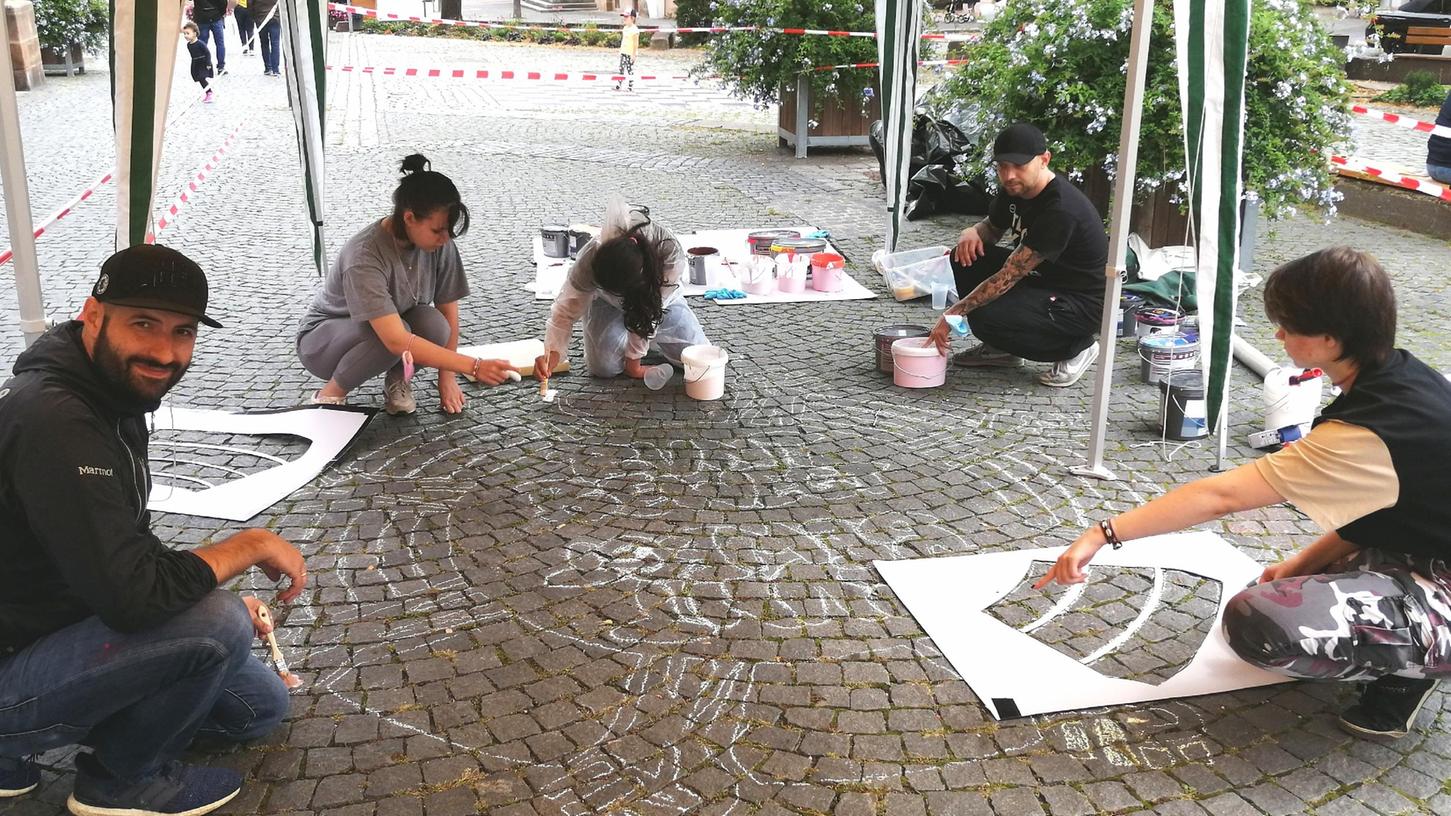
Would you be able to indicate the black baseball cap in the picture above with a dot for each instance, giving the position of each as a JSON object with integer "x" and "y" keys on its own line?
{"x": 1019, "y": 144}
{"x": 628, "y": 12}
{"x": 151, "y": 276}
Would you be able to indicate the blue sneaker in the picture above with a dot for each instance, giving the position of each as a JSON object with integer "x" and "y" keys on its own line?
{"x": 175, "y": 790}
{"x": 18, "y": 776}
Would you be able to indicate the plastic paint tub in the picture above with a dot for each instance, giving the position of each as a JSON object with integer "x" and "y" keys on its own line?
{"x": 799, "y": 246}
{"x": 1182, "y": 411}
{"x": 917, "y": 366}
{"x": 704, "y": 371}
{"x": 1154, "y": 320}
{"x": 826, "y": 272}
{"x": 791, "y": 283}
{"x": 884, "y": 337}
{"x": 1160, "y": 354}
{"x": 764, "y": 285}
{"x": 760, "y": 242}
{"x": 1128, "y": 305}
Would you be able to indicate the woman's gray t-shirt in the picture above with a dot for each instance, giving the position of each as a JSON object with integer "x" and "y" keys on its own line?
{"x": 372, "y": 277}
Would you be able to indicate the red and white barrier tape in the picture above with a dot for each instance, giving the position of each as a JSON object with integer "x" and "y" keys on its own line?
{"x": 168, "y": 216}
{"x": 65, "y": 210}
{"x": 1404, "y": 121}
{"x": 1430, "y": 188}
{"x": 499, "y": 74}
{"x": 878, "y": 64}
{"x": 412, "y": 18}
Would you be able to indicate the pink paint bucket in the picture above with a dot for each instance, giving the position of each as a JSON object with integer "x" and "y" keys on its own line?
{"x": 704, "y": 371}
{"x": 827, "y": 269}
{"x": 791, "y": 283}
{"x": 917, "y": 366}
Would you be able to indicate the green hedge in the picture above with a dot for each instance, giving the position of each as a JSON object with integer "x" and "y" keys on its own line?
{"x": 586, "y": 35}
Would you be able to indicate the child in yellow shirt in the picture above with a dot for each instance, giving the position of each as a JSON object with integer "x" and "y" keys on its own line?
{"x": 629, "y": 46}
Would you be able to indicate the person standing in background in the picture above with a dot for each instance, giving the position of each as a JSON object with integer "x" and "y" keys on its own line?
{"x": 629, "y": 47}
{"x": 209, "y": 16}
{"x": 268, "y": 34}
{"x": 1438, "y": 148}
{"x": 245, "y": 29}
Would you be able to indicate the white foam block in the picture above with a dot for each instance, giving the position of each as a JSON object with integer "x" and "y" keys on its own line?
{"x": 1015, "y": 675}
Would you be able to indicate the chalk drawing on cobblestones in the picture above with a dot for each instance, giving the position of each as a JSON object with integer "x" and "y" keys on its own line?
{"x": 651, "y": 563}
{"x": 238, "y": 464}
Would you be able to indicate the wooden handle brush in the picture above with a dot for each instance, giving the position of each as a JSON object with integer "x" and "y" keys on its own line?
{"x": 291, "y": 680}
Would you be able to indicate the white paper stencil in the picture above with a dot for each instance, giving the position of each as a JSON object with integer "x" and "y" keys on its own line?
{"x": 329, "y": 429}
{"x": 1015, "y": 674}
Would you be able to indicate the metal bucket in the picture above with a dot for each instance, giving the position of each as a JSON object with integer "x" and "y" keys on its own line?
{"x": 760, "y": 242}
{"x": 885, "y": 336}
{"x": 556, "y": 240}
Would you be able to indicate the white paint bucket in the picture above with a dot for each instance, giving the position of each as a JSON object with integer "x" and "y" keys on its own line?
{"x": 917, "y": 366}
{"x": 704, "y": 371}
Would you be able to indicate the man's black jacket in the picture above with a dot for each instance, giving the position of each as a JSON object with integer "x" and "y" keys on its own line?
{"x": 75, "y": 535}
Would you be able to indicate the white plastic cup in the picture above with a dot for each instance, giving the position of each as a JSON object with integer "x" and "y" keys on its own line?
{"x": 656, "y": 376}
{"x": 939, "y": 295}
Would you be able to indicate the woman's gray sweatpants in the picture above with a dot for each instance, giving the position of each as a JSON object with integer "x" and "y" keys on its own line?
{"x": 349, "y": 351}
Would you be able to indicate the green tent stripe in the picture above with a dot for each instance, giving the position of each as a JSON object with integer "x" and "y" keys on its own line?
{"x": 142, "y": 92}
{"x": 1193, "y": 128}
{"x": 1236, "y": 54}
{"x": 318, "y": 12}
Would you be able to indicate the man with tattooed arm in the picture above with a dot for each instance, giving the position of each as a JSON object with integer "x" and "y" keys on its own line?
{"x": 1041, "y": 300}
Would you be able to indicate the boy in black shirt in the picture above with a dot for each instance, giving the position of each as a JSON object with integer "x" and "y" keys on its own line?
{"x": 1042, "y": 300}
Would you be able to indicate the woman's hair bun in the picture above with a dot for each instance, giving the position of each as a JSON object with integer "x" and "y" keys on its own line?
{"x": 415, "y": 163}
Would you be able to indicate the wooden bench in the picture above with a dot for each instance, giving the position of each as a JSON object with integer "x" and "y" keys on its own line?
{"x": 1428, "y": 35}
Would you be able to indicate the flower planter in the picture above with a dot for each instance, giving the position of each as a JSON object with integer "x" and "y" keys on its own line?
{"x": 840, "y": 123}
{"x": 63, "y": 61}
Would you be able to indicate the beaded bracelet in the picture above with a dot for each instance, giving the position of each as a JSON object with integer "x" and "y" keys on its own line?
{"x": 1109, "y": 535}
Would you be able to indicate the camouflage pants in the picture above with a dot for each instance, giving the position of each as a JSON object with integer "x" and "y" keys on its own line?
{"x": 1385, "y": 613}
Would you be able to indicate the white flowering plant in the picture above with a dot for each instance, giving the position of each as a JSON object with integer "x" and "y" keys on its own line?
{"x": 756, "y": 64}
{"x": 1062, "y": 64}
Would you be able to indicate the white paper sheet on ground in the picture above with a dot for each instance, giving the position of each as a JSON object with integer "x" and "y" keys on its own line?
{"x": 550, "y": 273}
{"x": 329, "y": 429}
{"x": 1015, "y": 675}
{"x": 521, "y": 354}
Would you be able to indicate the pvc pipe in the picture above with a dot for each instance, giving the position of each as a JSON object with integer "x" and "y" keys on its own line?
{"x": 1252, "y": 357}
{"x": 17, "y": 199}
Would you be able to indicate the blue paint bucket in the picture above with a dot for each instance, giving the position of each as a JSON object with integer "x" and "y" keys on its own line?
{"x": 1160, "y": 354}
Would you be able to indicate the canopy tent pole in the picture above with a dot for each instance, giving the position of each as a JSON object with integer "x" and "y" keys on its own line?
{"x": 17, "y": 200}
{"x": 305, "y": 43}
{"x": 899, "y": 25}
{"x": 1123, "y": 199}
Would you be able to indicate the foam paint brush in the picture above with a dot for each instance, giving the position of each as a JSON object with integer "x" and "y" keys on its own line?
{"x": 291, "y": 680}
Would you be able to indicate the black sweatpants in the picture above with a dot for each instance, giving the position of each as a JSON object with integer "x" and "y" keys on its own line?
{"x": 1032, "y": 320}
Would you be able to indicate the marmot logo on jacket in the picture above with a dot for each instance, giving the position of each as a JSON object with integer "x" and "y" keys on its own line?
{"x": 87, "y": 470}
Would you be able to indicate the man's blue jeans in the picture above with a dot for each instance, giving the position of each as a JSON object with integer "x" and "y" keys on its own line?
{"x": 138, "y": 699}
{"x": 205, "y": 32}
{"x": 267, "y": 36}
{"x": 1439, "y": 173}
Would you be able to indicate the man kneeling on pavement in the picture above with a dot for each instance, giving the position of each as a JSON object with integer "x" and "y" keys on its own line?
{"x": 1042, "y": 300}
{"x": 107, "y": 637}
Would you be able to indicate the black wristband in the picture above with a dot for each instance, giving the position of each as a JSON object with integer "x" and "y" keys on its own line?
{"x": 1109, "y": 535}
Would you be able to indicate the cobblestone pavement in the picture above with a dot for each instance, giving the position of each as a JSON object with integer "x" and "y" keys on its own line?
{"x": 629, "y": 602}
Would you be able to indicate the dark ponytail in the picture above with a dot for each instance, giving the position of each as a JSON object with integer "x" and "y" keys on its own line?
{"x": 634, "y": 269}
{"x": 423, "y": 192}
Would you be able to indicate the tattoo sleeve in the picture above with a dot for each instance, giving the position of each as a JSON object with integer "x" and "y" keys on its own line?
{"x": 990, "y": 233}
{"x": 1018, "y": 265}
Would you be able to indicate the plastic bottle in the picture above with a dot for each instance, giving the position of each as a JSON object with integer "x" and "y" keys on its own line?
{"x": 657, "y": 375}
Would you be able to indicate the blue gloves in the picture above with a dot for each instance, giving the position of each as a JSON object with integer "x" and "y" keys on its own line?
{"x": 724, "y": 294}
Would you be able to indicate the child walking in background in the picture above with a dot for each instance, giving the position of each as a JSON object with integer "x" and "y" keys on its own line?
{"x": 629, "y": 46}
{"x": 201, "y": 58}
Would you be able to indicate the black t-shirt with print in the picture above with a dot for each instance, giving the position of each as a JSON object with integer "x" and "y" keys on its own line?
{"x": 1061, "y": 225}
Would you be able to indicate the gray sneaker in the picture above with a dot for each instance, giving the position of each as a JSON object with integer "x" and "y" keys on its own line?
{"x": 398, "y": 394}
{"x": 985, "y": 355}
{"x": 1067, "y": 372}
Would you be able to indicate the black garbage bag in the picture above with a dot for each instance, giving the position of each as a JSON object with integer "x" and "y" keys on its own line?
{"x": 938, "y": 147}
